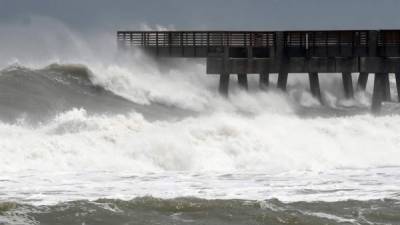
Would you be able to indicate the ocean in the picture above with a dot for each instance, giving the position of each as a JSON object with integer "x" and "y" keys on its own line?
{"x": 126, "y": 140}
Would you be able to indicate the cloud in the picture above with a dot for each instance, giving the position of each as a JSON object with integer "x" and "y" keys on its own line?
{"x": 86, "y": 15}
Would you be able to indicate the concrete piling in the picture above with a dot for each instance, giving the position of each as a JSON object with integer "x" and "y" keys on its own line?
{"x": 397, "y": 75}
{"x": 386, "y": 87}
{"x": 242, "y": 80}
{"x": 378, "y": 93}
{"x": 362, "y": 81}
{"x": 224, "y": 84}
{"x": 314, "y": 86}
{"x": 282, "y": 81}
{"x": 264, "y": 81}
{"x": 348, "y": 85}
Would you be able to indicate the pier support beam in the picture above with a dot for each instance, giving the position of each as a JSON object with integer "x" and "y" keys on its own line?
{"x": 242, "y": 79}
{"x": 362, "y": 81}
{"x": 386, "y": 90}
{"x": 264, "y": 81}
{"x": 282, "y": 81}
{"x": 224, "y": 84}
{"x": 378, "y": 94}
{"x": 314, "y": 86}
{"x": 348, "y": 85}
{"x": 398, "y": 85}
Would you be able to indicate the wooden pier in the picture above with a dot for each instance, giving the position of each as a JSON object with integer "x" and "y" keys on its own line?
{"x": 283, "y": 52}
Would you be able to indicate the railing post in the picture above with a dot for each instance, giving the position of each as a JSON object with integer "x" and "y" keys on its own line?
{"x": 194, "y": 44}
{"x": 372, "y": 43}
{"x": 130, "y": 39}
{"x": 170, "y": 43}
{"x": 208, "y": 42}
{"x": 181, "y": 44}
{"x": 157, "y": 50}
{"x": 120, "y": 41}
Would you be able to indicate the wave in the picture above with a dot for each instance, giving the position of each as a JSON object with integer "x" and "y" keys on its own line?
{"x": 116, "y": 120}
{"x": 221, "y": 141}
{"x": 40, "y": 94}
{"x": 88, "y": 115}
{"x": 37, "y": 95}
{"x": 79, "y": 121}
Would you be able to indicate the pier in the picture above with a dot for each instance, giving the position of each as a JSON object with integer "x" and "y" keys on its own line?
{"x": 283, "y": 52}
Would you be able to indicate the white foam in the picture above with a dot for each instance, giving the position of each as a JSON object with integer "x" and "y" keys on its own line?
{"x": 221, "y": 141}
{"x": 250, "y": 133}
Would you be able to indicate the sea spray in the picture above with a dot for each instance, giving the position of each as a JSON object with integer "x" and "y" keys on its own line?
{"x": 90, "y": 135}
{"x": 215, "y": 142}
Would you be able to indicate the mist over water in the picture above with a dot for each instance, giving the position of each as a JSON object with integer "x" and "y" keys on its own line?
{"x": 80, "y": 122}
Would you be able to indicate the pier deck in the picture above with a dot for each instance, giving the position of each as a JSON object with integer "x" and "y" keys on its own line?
{"x": 282, "y": 52}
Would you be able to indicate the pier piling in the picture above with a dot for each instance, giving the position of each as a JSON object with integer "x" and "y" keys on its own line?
{"x": 314, "y": 86}
{"x": 242, "y": 80}
{"x": 362, "y": 81}
{"x": 224, "y": 84}
{"x": 264, "y": 81}
{"x": 386, "y": 87}
{"x": 377, "y": 96}
{"x": 397, "y": 75}
{"x": 282, "y": 81}
{"x": 348, "y": 85}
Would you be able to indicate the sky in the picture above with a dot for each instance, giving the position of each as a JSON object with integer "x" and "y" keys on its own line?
{"x": 89, "y": 15}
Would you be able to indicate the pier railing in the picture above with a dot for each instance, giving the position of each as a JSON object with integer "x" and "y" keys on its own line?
{"x": 346, "y": 43}
{"x": 243, "y": 39}
{"x": 196, "y": 38}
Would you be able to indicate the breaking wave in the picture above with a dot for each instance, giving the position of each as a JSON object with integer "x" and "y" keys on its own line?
{"x": 79, "y": 124}
{"x": 64, "y": 117}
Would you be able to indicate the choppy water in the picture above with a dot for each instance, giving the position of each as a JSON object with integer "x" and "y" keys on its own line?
{"x": 148, "y": 210}
{"x": 129, "y": 141}
{"x": 86, "y": 145}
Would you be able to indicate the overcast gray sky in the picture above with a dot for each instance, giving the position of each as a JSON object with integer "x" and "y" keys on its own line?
{"x": 209, "y": 14}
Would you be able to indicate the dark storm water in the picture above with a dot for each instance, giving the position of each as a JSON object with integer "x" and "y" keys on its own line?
{"x": 148, "y": 210}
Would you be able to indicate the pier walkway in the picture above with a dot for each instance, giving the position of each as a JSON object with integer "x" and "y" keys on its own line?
{"x": 283, "y": 52}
